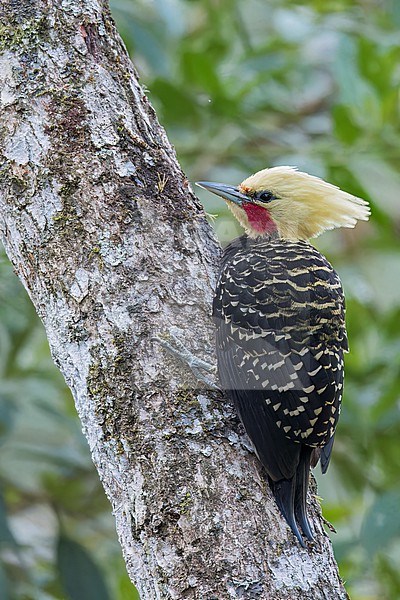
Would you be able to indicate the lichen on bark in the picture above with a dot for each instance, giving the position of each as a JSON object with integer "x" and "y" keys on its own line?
{"x": 114, "y": 249}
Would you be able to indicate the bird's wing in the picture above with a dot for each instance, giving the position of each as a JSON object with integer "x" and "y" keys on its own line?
{"x": 279, "y": 313}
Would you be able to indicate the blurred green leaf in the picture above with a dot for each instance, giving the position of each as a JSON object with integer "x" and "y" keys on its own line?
{"x": 177, "y": 104}
{"x": 6, "y": 536}
{"x": 380, "y": 180}
{"x": 126, "y": 591}
{"x": 199, "y": 69}
{"x": 382, "y": 523}
{"x": 389, "y": 571}
{"x": 7, "y": 415}
{"x": 5, "y": 593}
{"x": 345, "y": 127}
{"x": 393, "y": 8}
{"x": 80, "y": 577}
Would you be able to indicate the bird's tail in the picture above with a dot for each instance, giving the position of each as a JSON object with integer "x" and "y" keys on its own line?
{"x": 291, "y": 497}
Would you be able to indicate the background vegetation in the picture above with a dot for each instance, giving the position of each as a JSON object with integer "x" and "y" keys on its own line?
{"x": 239, "y": 86}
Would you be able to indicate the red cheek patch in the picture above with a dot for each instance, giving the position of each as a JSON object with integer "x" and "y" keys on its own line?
{"x": 259, "y": 218}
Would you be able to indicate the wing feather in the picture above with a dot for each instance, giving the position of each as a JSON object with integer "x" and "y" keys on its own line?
{"x": 279, "y": 312}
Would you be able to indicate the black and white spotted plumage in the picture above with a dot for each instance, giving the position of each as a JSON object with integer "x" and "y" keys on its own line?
{"x": 279, "y": 313}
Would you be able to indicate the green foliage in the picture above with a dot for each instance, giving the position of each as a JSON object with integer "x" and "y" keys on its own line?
{"x": 80, "y": 577}
{"x": 239, "y": 86}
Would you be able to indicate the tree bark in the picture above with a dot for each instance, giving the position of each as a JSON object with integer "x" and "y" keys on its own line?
{"x": 114, "y": 249}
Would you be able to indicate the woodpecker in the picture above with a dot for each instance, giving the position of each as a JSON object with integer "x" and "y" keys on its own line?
{"x": 279, "y": 311}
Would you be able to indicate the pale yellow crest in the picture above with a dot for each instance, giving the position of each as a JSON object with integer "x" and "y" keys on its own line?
{"x": 305, "y": 205}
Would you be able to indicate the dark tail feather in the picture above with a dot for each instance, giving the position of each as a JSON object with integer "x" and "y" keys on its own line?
{"x": 284, "y": 492}
{"x": 300, "y": 500}
{"x": 326, "y": 455}
{"x": 291, "y": 497}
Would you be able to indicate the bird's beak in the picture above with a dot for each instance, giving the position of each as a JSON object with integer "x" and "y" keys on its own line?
{"x": 227, "y": 192}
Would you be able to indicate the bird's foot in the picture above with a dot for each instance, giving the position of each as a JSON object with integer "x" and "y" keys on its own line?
{"x": 328, "y": 524}
{"x": 195, "y": 364}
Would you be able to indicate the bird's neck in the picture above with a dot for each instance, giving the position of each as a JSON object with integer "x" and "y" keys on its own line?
{"x": 260, "y": 222}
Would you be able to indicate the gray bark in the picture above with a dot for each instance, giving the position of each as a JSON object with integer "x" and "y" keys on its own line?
{"x": 113, "y": 248}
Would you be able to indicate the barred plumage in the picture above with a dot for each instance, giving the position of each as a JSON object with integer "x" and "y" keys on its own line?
{"x": 279, "y": 311}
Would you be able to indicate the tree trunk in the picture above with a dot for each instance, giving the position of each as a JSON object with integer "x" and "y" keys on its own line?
{"x": 113, "y": 248}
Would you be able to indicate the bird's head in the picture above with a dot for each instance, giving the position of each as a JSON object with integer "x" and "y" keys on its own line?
{"x": 296, "y": 205}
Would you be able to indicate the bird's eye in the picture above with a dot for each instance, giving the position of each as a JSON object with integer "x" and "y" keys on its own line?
{"x": 265, "y": 196}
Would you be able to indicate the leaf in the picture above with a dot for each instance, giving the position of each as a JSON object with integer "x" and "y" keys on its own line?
{"x": 370, "y": 280}
{"x": 381, "y": 524}
{"x": 355, "y": 92}
{"x": 80, "y": 577}
{"x": 379, "y": 179}
{"x": 7, "y": 414}
{"x": 199, "y": 69}
{"x": 347, "y": 73}
{"x": 4, "y": 585}
{"x": 176, "y": 103}
{"x": 6, "y": 536}
{"x": 127, "y": 591}
{"x": 394, "y": 9}
{"x": 345, "y": 128}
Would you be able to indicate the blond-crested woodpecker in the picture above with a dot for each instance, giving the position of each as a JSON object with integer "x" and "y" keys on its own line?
{"x": 280, "y": 318}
